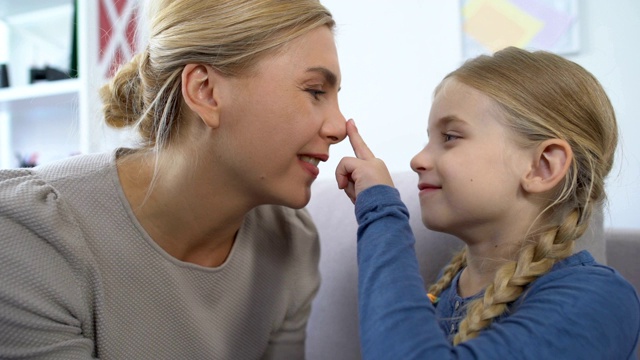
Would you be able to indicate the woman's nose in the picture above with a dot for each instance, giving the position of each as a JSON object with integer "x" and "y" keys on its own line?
{"x": 334, "y": 127}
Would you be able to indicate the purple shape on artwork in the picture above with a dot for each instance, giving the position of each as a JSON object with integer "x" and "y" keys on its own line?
{"x": 556, "y": 23}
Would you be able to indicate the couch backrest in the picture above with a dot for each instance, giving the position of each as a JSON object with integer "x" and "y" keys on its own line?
{"x": 333, "y": 327}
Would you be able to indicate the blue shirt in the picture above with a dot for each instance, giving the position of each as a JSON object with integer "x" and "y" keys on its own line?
{"x": 579, "y": 310}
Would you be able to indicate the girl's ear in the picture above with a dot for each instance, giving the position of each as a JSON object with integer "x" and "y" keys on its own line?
{"x": 200, "y": 92}
{"x": 549, "y": 166}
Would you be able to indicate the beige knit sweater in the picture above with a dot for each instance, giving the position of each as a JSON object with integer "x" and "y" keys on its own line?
{"x": 80, "y": 278}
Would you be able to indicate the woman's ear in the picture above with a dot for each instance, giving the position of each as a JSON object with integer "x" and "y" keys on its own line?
{"x": 549, "y": 166}
{"x": 200, "y": 92}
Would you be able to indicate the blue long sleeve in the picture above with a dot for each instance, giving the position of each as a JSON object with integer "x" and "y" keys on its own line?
{"x": 579, "y": 310}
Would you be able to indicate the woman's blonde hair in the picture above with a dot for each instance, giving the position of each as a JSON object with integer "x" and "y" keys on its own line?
{"x": 543, "y": 96}
{"x": 230, "y": 35}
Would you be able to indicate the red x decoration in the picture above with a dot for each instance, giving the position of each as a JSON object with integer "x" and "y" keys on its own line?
{"x": 118, "y": 21}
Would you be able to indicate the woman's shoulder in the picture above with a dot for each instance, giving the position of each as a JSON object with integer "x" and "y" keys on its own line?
{"x": 38, "y": 225}
{"x": 38, "y": 191}
{"x": 28, "y": 198}
{"x": 35, "y": 202}
{"x": 78, "y": 166}
{"x": 56, "y": 172}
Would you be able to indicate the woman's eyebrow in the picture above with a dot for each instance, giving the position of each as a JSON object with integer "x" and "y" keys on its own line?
{"x": 331, "y": 78}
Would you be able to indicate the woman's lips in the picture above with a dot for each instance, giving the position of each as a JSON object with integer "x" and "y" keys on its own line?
{"x": 310, "y": 168}
{"x": 310, "y": 163}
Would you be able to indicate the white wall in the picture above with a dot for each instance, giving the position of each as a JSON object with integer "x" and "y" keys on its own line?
{"x": 609, "y": 51}
{"x": 393, "y": 54}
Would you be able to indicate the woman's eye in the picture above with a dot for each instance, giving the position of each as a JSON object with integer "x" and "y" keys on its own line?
{"x": 315, "y": 93}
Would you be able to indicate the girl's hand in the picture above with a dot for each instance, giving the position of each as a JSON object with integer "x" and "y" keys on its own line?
{"x": 362, "y": 172}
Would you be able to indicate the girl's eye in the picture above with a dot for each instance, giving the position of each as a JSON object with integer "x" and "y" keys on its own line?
{"x": 315, "y": 93}
{"x": 449, "y": 137}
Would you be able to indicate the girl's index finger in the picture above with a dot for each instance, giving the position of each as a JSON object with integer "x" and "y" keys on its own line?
{"x": 360, "y": 148}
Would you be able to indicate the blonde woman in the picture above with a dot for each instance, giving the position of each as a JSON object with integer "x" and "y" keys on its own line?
{"x": 190, "y": 245}
{"x": 519, "y": 146}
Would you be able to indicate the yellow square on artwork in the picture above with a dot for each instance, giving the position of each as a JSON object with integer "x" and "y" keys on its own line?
{"x": 497, "y": 24}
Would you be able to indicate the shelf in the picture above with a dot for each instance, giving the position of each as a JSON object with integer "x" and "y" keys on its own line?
{"x": 60, "y": 117}
{"x": 51, "y": 93}
{"x": 39, "y": 90}
{"x": 12, "y": 7}
{"x": 50, "y": 118}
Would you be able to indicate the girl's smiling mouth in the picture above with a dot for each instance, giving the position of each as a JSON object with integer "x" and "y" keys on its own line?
{"x": 426, "y": 188}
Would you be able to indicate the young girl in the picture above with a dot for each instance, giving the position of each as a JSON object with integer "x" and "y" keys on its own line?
{"x": 519, "y": 147}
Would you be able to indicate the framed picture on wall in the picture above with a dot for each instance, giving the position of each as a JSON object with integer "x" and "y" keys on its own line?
{"x": 490, "y": 25}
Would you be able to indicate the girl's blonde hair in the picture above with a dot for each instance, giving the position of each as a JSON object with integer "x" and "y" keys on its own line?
{"x": 543, "y": 96}
{"x": 230, "y": 35}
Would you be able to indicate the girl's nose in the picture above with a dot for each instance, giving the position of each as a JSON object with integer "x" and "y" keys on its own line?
{"x": 421, "y": 161}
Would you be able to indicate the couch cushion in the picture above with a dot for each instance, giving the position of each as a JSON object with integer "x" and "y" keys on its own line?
{"x": 623, "y": 253}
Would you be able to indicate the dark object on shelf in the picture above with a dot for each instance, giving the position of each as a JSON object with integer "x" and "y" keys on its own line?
{"x": 46, "y": 74}
{"x": 73, "y": 68}
{"x": 27, "y": 161}
{"x": 4, "y": 76}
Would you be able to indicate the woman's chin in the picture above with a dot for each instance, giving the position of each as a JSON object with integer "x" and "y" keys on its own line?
{"x": 301, "y": 204}
{"x": 299, "y": 201}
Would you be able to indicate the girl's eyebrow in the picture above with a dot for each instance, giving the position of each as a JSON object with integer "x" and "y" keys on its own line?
{"x": 448, "y": 119}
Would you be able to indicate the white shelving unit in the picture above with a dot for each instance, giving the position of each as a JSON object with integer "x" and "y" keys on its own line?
{"x": 39, "y": 118}
{"x": 54, "y": 119}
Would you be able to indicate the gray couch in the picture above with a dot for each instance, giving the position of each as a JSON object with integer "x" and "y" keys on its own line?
{"x": 333, "y": 326}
